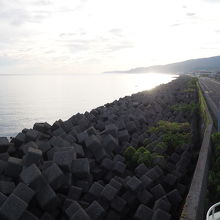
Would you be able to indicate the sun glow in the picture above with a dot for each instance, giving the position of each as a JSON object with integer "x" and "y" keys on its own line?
{"x": 95, "y": 35}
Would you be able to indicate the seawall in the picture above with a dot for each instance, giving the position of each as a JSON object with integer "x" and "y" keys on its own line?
{"x": 79, "y": 169}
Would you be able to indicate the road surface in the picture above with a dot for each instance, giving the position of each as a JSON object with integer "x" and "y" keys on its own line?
{"x": 211, "y": 90}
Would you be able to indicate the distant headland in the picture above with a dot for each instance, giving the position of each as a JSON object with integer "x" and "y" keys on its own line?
{"x": 211, "y": 64}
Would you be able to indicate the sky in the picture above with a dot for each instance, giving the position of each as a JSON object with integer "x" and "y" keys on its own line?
{"x": 93, "y": 36}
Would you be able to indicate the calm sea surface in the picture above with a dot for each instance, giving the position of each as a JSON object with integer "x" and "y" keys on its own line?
{"x": 26, "y": 99}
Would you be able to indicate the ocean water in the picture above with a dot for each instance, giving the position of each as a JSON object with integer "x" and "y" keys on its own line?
{"x": 26, "y": 99}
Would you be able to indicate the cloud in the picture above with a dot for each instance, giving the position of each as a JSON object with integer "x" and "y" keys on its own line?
{"x": 212, "y": 1}
{"x": 190, "y": 14}
{"x": 42, "y": 2}
{"x": 120, "y": 46}
{"x": 77, "y": 47}
{"x": 16, "y": 14}
{"x": 7, "y": 60}
{"x": 116, "y": 31}
{"x": 176, "y": 24}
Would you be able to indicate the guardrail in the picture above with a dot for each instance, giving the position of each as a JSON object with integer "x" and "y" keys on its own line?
{"x": 194, "y": 205}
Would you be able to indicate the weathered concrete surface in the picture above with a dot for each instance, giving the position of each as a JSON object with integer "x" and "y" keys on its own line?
{"x": 195, "y": 201}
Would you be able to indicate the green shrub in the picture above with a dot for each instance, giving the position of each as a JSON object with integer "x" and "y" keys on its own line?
{"x": 173, "y": 134}
{"x": 146, "y": 141}
{"x": 192, "y": 107}
{"x": 192, "y": 83}
{"x": 176, "y": 140}
{"x": 145, "y": 157}
{"x": 170, "y": 127}
{"x": 216, "y": 138}
{"x": 214, "y": 186}
{"x": 129, "y": 152}
{"x": 141, "y": 155}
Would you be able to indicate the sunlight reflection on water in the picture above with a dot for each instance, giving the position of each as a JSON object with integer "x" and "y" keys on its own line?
{"x": 26, "y": 99}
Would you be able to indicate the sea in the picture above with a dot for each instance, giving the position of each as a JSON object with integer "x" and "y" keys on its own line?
{"x": 27, "y": 99}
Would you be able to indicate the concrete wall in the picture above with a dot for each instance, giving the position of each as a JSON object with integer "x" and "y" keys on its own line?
{"x": 194, "y": 205}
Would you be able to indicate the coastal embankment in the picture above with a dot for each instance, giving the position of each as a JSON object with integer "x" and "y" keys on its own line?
{"x": 133, "y": 158}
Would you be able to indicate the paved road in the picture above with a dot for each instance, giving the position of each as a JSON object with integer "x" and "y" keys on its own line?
{"x": 211, "y": 89}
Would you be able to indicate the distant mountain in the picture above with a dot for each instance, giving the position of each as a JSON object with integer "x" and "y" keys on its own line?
{"x": 202, "y": 64}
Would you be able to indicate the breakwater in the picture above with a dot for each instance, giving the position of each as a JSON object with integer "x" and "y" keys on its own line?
{"x": 129, "y": 159}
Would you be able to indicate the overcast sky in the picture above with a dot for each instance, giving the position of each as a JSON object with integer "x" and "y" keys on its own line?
{"x": 92, "y": 36}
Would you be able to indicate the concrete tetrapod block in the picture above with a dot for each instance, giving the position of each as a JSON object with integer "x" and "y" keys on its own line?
{"x": 69, "y": 138}
{"x": 131, "y": 127}
{"x": 160, "y": 214}
{"x": 3, "y": 165}
{"x": 146, "y": 181}
{"x": 83, "y": 184}
{"x": 54, "y": 176}
{"x": 47, "y": 216}
{"x": 4, "y": 156}
{"x": 64, "y": 159}
{"x": 28, "y": 216}
{"x": 119, "y": 167}
{"x": 110, "y": 143}
{"x": 29, "y": 174}
{"x": 162, "y": 204}
{"x": 123, "y": 136}
{"x": 24, "y": 148}
{"x": 74, "y": 193}
{"x": 79, "y": 150}
{"x": 170, "y": 180}
{"x": 19, "y": 139}
{"x": 32, "y": 176}
{"x": 91, "y": 131}
{"x": 32, "y": 135}
{"x": 12, "y": 208}
{"x": 13, "y": 167}
{"x": 93, "y": 143}
{"x": 134, "y": 184}
{"x": 58, "y": 132}
{"x": 118, "y": 204}
{"x": 112, "y": 215}
{"x": 95, "y": 211}
{"x": 80, "y": 168}
{"x": 59, "y": 142}
{"x": 118, "y": 157}
{"x": 72, "y": 209}
{"x": 107, "y": 164}
{"x": 44, "y": 146}
{"x": 80, "y": 214}
{"x": 111, "y": 129}
{"x": 24, "y": 192}
{"x": 108, "y": 193}
{"x": 47, "y": 198}
{"x": 6, "y": 187}
{"x": 153, "y": 174}
{"x": 144, "y": 197}
{"x": 43, "y": 127}
{"x": 33, "y": 156}
{"x": 158, "y": 191}
{"x": 174, "y": 197}
{"x": 140, "y": 170}
{"x": 2, "y": 198}
{"x": 143, "y": 212}
{"x": 4, "y": 144}
{"x": 81, "y": 137}
{"x": 95, "y": 190}
{"x": 116, "y": 184}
